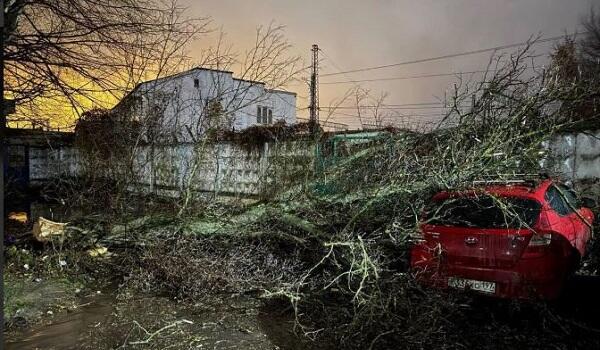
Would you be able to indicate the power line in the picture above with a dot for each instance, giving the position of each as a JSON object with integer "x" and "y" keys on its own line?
{"x": 431, "y": 75}
{"x": 411, "y": 116}
{"x": 420, "y": 76}
{"x": 432, "y": 103}
{"x": 404, "y": 77}
{"x": 382, "y": 105}
{"x": 466, "y": 53}
{"x": 335, "y": 65}
{"x": 340, "y": 70}
{"x": 435, "y": 103}
{"x": 387, "y": 107}
{"x": 403, "y": 106}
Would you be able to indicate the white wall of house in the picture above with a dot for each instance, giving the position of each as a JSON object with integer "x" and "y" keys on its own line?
{"x": 182, "y": 100}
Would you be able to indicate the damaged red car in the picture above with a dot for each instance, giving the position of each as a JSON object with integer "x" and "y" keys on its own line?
{"x": 510, "y": 239}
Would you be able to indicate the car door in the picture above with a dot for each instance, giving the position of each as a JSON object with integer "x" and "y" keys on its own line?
{"x": 579, "y": 217}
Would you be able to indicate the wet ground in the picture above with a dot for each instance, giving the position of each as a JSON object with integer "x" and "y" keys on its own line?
{"x": 105, "y": 322}
{"x": 101, "y": 318}
{"x": 65, "y": 331}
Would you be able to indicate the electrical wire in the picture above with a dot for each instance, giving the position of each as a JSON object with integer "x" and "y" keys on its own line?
{"x": 437, "y": 58}
{"x": 404, "y": 77}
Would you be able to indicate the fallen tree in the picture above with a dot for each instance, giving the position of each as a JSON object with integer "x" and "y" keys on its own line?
{"x": 357, "y": 294}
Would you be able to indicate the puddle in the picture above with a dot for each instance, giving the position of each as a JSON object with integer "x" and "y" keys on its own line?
{"x": 104, "y": 322}
{"x": 66, "y": 331}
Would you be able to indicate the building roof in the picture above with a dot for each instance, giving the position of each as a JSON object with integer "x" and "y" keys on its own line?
{"x": 249, "y": 81}
{"x": 201, "y": 69}
{"x": 282, "y": 91}
{"x": 179, "y": 74}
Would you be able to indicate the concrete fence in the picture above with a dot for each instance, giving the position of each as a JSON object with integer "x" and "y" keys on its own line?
{"x": 47, "y": 164}
{"x": 576, "y": 157}
{"x": 171, "y": 170}
{"x": 228, "y": 168}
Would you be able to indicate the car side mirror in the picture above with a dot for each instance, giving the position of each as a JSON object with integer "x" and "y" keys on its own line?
{"x": 589, "y": 202}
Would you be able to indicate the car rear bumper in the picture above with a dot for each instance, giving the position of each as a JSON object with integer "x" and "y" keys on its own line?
{"x": 531, "y": 277}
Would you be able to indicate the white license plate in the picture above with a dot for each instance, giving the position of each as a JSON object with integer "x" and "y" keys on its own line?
{"x": 480, "y": 286}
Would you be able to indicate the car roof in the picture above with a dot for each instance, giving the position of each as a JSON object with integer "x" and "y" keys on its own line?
{"x": 534, "y": 190}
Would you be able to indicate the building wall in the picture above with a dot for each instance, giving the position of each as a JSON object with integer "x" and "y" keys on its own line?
{"x": 184, "y": 104}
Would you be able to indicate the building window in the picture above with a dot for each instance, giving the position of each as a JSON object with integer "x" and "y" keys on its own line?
{"x": 264, "y": 115}
{"x": 196, "y": 83}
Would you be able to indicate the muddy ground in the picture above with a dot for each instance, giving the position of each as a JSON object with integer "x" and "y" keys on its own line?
{"x": 102, "y": 318}
{"x": 57, "y": 311}
{"x": 59, "y": 296}
{"x": 103, "y": 321}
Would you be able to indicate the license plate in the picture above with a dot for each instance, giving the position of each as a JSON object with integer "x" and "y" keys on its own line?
{"x": 480, "y": 286}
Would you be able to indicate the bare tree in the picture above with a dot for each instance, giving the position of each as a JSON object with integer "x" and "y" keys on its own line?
{"x": 370, "y": 109}
{"x": 589, "y": 57}
{"x": 83, "y": 53}
{"x": 590, "y": 45}
{"x": 378, "y": 110}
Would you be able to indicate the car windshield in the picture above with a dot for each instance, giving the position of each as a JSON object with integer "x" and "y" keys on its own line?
{"x": 484, "y": 211}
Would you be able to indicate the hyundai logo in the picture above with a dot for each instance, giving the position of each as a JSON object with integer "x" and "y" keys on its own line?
{"x": 471, "y": 240}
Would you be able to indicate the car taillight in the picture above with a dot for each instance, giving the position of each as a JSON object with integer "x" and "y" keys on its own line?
{"x": 542, "y": 240}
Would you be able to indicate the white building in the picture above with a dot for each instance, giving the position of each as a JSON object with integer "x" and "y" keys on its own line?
{"x": 184, "y": 105}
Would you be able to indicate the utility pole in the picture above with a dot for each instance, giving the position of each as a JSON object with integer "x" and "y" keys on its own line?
{"x": 314, "y": 91}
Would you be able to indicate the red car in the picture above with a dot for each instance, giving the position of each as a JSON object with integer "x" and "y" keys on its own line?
{"x": 518, "y": 239}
